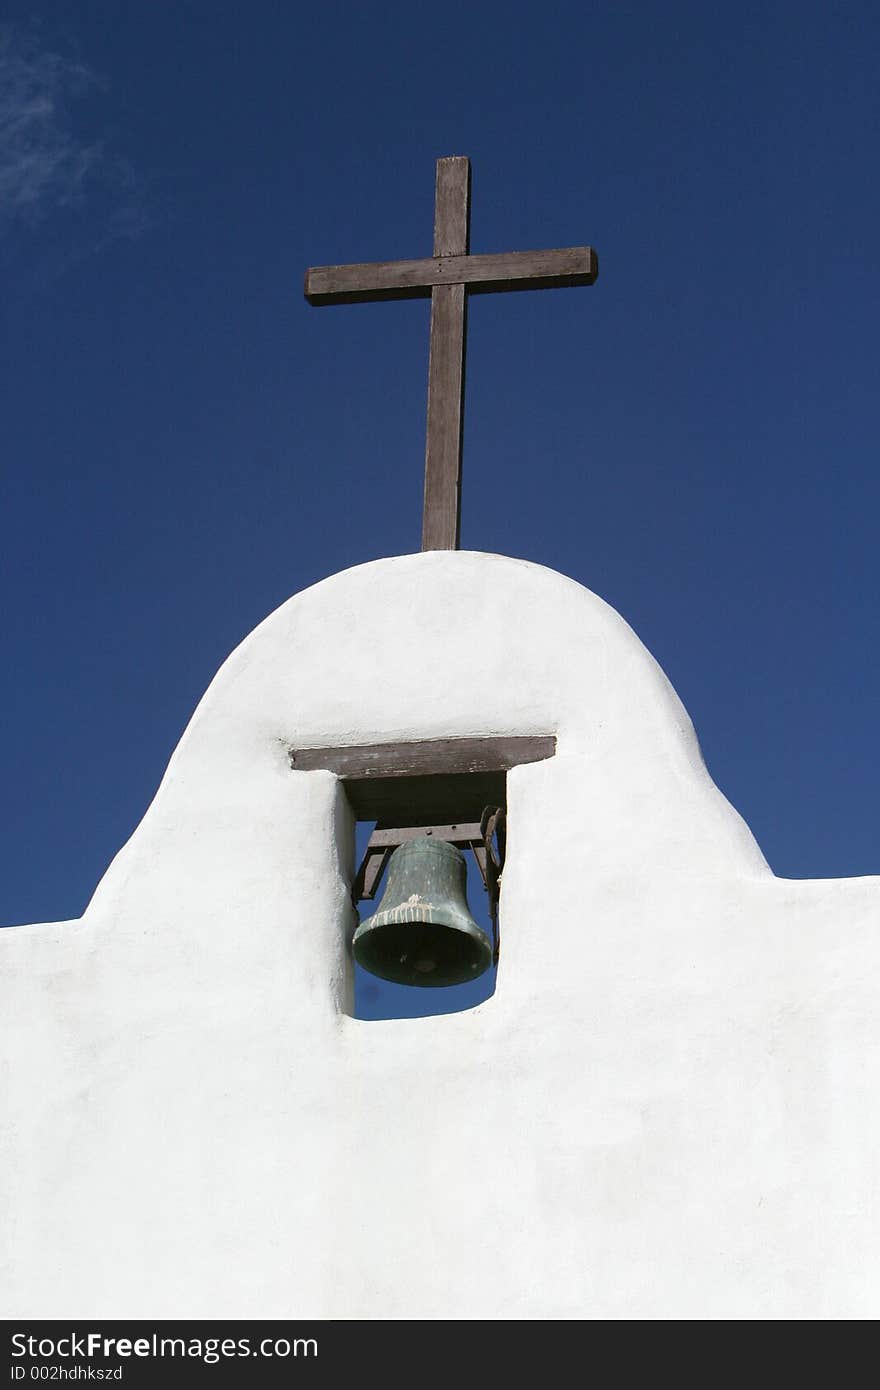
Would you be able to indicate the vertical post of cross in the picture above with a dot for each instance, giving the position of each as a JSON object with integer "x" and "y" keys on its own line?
{"x": 443, "y": 448}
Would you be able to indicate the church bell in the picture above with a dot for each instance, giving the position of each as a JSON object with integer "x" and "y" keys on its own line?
{"x": 423, "y": 932}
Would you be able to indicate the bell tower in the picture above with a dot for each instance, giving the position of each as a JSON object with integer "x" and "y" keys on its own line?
{"x": 677, "y": 1070}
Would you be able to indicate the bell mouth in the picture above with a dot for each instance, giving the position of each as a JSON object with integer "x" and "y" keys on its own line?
{"x": 423, "y": 953}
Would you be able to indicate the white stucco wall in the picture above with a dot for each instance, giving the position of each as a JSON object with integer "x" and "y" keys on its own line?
{"x": 667, "y": 1110}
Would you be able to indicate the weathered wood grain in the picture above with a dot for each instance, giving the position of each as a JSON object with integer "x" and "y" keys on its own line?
{"x": 449, "y": 277}
{"x": 426, "y": 757}
{"x": 384, "y": 836}
{"x": 509, "y": 270}
{"x": 442, "y": 491}
{"x": 452, "y": 206}
{"x": 441, "y": 519}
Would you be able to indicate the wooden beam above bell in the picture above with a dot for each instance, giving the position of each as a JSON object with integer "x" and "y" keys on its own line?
{"x": 430, "y": 781}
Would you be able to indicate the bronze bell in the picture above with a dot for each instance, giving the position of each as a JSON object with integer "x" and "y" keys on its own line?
{"x": 423, "y": 933}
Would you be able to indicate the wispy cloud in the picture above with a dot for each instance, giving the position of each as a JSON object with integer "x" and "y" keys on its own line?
{"x": 48, "y": 165}
{"x": 43, "y": 165}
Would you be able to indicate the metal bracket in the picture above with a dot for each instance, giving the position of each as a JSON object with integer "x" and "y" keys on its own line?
{"x": 493, "y": 830}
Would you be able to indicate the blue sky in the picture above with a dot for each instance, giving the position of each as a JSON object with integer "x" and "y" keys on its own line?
{"x": 186, "y": 442}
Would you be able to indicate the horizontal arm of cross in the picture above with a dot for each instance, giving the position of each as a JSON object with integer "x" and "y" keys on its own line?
{"x": 510, "y": 270}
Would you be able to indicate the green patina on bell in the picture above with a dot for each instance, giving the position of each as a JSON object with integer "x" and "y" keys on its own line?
{"x": 423, "y": 933}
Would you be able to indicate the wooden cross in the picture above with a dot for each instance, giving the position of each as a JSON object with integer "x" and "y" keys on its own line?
{"x": 448, "y": 277}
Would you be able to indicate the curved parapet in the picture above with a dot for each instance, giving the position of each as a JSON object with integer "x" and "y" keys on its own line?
{"x": 445, "y": 644}
{"x": 667, "y": 1109}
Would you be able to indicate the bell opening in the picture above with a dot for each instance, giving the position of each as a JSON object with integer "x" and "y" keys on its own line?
{"x": 425, "y": 954}
{"x": 430, "y": 982}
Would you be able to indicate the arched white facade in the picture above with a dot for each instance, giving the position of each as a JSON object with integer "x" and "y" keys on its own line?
{"x": 667, "y": 1110}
